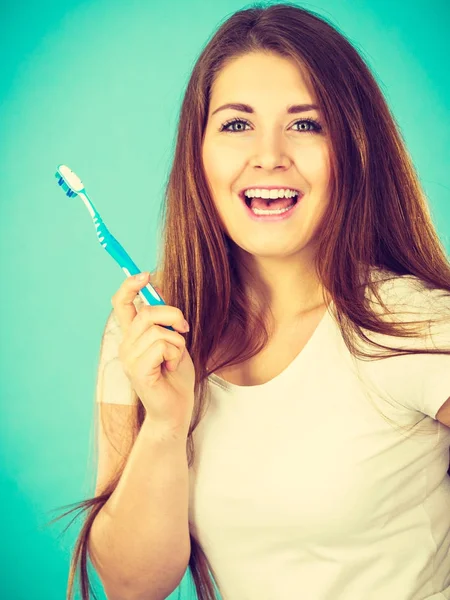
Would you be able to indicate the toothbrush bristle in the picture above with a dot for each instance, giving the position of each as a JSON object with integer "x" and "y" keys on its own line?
{"x": 69, "y": 192}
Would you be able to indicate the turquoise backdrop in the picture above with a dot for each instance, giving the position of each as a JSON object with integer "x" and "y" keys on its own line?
{"x": 97, "y": 85}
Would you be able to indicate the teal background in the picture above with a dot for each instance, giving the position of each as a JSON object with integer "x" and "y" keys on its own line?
{"x": 97, "y": 85}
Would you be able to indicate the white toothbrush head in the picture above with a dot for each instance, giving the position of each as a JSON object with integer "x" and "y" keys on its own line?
{"x": 69, "y": 180}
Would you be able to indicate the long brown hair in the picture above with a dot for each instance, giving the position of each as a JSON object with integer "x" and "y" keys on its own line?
{"x": 378, "y": 216}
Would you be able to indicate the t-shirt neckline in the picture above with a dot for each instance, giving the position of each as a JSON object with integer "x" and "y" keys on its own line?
{"x": 304, "y": 352}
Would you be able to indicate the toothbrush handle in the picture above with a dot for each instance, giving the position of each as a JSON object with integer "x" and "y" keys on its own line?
{"x": 148, "y": 294}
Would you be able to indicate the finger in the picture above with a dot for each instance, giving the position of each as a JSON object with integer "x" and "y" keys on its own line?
{"x": 174, "y": 360}
{"x": 160, "y": 354}
{"x": 148, "y": 316}
{"x": 152, "y": 336}
{"x": 123, "y": 300}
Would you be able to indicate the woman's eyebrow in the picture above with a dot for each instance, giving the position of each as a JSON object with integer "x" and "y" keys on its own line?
{"x": 294, "y": 109}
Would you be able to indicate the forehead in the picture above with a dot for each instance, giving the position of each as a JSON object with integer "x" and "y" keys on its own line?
{"x": 258, "y": 72}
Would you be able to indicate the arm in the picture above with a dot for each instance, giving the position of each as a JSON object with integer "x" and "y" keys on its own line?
{"x": 139, "y": 541}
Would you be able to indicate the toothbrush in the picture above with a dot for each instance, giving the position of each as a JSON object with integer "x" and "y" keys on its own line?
{"x": 73, "y": 186}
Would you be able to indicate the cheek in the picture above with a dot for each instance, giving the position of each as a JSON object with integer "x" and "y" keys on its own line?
{"x": 314, "y": 163}
{"x": 221, "y": 164}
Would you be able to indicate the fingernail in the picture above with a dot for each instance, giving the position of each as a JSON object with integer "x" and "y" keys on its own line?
{"x": 141, "y": 276}
{"x": 186, "y": 325}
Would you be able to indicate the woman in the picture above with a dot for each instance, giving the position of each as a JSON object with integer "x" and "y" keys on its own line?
{"x": 316, "y": 466}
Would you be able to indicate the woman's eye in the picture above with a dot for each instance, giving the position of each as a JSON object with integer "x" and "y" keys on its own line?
{"x": 240, "y": 122}
{"x": 307, "y": 125}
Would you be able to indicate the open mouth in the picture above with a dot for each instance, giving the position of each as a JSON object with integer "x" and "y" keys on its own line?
{"x": 269, "y": 202}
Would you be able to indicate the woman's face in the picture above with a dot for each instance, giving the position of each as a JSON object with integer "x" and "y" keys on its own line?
{"x": 266, "y": 145}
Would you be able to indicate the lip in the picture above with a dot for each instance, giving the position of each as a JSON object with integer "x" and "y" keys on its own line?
{"x": 281, "y": 217}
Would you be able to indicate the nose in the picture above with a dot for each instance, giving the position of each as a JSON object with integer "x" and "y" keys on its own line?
{"x": 269, "y": 153}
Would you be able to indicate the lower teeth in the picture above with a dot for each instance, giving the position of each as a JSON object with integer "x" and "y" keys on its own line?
{"x": 262, "y": 211}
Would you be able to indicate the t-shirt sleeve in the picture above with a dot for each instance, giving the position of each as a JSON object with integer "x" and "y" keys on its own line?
{"x": 112, "y": 386}
{"x": 418, "y": 382}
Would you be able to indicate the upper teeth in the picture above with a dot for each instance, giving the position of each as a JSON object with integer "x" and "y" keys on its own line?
{"x": 262, "y": 193}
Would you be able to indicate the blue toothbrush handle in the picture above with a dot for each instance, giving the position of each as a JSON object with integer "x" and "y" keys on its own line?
{"x": 148, "y": 294}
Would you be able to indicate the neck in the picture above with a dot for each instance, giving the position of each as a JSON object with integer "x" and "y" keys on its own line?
{"x": 284, "y": 289}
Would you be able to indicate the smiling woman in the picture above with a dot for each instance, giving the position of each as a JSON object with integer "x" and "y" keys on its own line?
{"x": 317, "y": 452}
{"x": 272, "y": 150}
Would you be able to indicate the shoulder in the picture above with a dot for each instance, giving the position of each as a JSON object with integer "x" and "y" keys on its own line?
{"x": 392, "y": 285}
{"x": 416, "y": 381}
{"x": 409, "y": 295}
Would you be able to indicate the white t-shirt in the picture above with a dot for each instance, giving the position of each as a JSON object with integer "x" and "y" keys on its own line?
{"x": 300, "y": 487}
